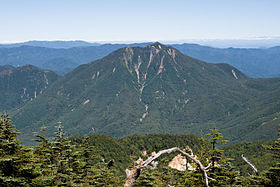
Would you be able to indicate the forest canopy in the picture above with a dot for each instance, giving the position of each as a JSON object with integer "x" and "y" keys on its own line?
{"x": 98, "y": 160}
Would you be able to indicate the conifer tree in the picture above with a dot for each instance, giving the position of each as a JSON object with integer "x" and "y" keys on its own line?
{"x": 146, "y": 179}
{"x": 221, "y": 169}
{"x": 16, "y": 161}
{"x": 215, "y": 139}
{"x": 58, "y": 160}
{"x": 45, "y": 160}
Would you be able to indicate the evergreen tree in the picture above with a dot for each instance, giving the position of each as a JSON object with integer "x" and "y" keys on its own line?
{"x": 45, "y": 160}
{"x": 146, "y": 179}
{"x": 16, "y": 161}
{"x": 221, "y": 169}
{"x": 215, "y": 153}
{"x": 59, "y": 161}
{"x": 64, "y": 164}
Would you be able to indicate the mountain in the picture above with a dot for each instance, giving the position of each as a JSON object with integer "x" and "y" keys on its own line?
{"x": 22, "y": 84}
{"x": 59, "y": 60}
{"x": 155, "y": 89}
{"x": 256, "y": 42}
{"x": 253, "y": 62}
{"x": 6, "y": 68}
{"x": 51, "y": 44}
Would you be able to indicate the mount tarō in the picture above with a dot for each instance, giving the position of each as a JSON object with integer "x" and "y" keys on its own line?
{"x": 155, "y": 89}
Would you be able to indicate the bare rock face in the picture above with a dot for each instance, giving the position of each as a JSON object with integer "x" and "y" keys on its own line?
{"x": 179, "y": 163}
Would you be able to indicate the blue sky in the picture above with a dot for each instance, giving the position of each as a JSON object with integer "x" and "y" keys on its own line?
{"x": 137, "y": 20}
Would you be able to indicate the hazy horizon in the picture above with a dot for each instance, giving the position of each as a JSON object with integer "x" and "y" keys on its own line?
{"x": 258, "y": 42}
{"x": 138, "y": 21}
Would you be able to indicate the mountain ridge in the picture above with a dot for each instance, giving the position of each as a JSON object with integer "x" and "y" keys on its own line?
{"x": 254, "y": 62}
{"x": 155, "y": 89}
{"x": 52, "y": 44}
{"x": 18, "y": 85}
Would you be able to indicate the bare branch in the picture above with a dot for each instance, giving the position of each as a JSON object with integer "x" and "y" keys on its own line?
{"x": 153, "y": 165}
{"x": 250, "y": 164}
{"x": 134, "y": 173}
{"x": 208, "y": 166}
{"x": 211, "y": 178}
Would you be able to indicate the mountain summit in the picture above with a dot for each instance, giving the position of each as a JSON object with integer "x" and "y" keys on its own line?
{"x": 155, "y": 89}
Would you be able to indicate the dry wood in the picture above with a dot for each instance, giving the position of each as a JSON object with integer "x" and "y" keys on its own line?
{"x": 250, "y": 164}
{"x": 134, "y": 173}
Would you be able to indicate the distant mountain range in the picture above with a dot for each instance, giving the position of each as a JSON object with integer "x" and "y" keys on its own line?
{"x": 256, "y": 42}
{"x": 59, "y": 60}
{"x": 62, "y": 57}
{"x": 51, "y": 44}
{"x": 155, "y": 89}
{"x": 257, "y": 63}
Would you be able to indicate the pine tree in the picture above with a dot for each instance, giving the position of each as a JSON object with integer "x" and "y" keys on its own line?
{"x": 45, "y": 160}
{"x": 16, "y": 161}
{"x": 215, "y": 153}
{"x": 221, "y": 169}
{"x": 146, "y": 179}
{"x": 58, "y": 160}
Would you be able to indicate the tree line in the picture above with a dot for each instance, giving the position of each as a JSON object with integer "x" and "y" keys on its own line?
{"x": 60, "y": 161}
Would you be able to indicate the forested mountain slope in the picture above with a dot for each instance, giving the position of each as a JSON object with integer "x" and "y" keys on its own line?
{"x": 155, "y": 89}
{"x": 22, "y": 84}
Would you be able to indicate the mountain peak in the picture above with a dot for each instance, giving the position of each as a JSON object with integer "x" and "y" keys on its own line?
{"x": 153, "y": 89}
{"x": 158, "y": 45}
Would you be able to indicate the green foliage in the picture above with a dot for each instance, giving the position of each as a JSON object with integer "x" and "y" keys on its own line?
{"x": 8, "y": 135}
{"x": 20, "y": 85}
{"x": 155, "y": 142}
{"x": 99, "y": 160}
{"x": 264, "y": 155}
{"x": 275, "y": 148}
{"x": 110, "y": 97}
{"x": 254, "y": 151}
{"x": 221, "y": 169}
{"x": 70, "y": 164}
{"x": 52, "y": 163}
{"x": 16, "y": 161}
{"x": 273, "y": 173}
{"x": 215, "y": 153}
{"x": 146, "y": 179}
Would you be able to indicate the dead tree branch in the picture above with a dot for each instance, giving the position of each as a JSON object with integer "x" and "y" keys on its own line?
{"x": 250, "y": 164}
{"x": 134, "y": 173}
